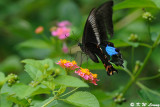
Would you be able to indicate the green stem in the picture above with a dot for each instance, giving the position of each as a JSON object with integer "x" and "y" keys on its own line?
{"x": 132, "y": 58}
{"x": 132, "y": 80}
{"x": 69, "y": 92}
{"x": 149, "y": 78}
{"x": 55, "y": 97}
{"x": 145, "y": 45}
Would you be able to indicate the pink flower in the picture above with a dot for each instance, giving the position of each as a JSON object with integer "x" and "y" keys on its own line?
{"x": 67, "y": 64}
{"x": 85, "y": 74}
{"x": 64, "y": 23}
{"x": 61, "y": 32}
{"x": 65, "y": 48}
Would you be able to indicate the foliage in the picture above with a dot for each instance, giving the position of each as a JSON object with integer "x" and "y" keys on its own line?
{"x": 35, "y": 32}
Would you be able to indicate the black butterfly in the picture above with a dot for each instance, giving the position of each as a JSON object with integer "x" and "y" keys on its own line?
{"x": 94, "y": 41}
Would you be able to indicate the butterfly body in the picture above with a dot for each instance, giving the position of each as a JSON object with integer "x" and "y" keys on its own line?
{"x": 94, "y": 41}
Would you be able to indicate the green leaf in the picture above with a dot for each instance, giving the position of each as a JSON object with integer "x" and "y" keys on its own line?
{"x": 10, "y": 64}
{"x": 39, "y": 64}
{"x": 157, "y": 2}
{"x": 102, "y": 95}
{"x": 22, "y": 102}
{"x": 82, "y": 99}
{"x": 49, "y": 84}
{"x": 4, "y": 102}
{"x": 119, "y": 43}
{"x": 92, "y": 65}
{"x": 6, "y": 89}
{"x": 34, "y": 73}
{"x": 34, "y": 43}
{"x": 2, "y": 78}
{"x": 134, "y": 4}
{"x": 35, "y": 67}
{"x": 70, "y": 81}
{"x": 53, "y": 103}
{"x": 149, "y": 97}
{"x": 22, "y": 90}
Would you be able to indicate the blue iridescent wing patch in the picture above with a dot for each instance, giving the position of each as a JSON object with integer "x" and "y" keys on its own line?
{"x": 111, "y": 50}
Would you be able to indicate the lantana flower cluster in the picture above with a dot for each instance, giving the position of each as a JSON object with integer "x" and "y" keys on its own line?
{"x": 83, "y": 73}
{"x": 87, "y": 75}
{"x": 62, "y": 30}
{"x": 67, "y": 64}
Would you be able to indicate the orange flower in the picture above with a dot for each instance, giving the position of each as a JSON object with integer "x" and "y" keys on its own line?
{"x": 39, "y": 30}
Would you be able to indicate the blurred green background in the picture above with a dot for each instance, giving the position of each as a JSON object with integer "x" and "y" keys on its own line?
{"x": 20, "y": 18}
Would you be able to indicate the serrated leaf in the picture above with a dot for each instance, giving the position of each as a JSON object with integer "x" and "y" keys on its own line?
{"x": 6, "y": 89}
{"x": 82, "y": 99}
{"x": 34, "y": 73}
{"x": 35, "y": 67}
{"x": 39, "y": 64}
{"x": 22, "y": 90}
{"x": 22, "y": 102}
{"x": 4, "y": 102}
{"x": 49, "y": 84}
{"x": 53, "y": 103}
{"x": 134, "y": 4}
{"x": 70, "y": 81}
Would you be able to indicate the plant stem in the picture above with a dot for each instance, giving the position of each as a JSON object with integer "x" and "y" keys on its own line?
{"x": 132, "y": 58}
{"x": 69, "y": 92}
{"x": 149, "y": 78}
{"x": 55, "y": 97}
{"x": 145, "y": 45}
{"x": 132, "y": 80}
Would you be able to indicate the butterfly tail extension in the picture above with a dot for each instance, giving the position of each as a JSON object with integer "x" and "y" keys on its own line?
{"x": 108, "y": 66}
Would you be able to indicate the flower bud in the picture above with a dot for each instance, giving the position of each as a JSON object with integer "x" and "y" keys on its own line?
{"x": 133, "y": 37}
{"x": 46, "y": 66}
{"x": 148, "y": 16}
{"x": 39, "y": 30}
